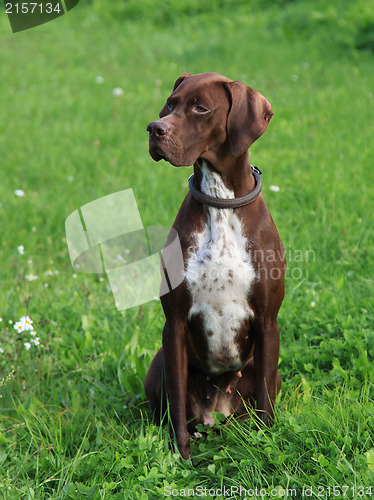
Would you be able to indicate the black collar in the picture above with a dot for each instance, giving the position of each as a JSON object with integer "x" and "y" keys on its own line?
{"x": 227, "y": 202}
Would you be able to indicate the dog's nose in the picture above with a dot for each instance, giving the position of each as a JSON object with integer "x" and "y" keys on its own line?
{"x": 157, "y": 128}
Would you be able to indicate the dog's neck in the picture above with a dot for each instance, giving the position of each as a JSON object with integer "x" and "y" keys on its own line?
{"x": 237, "y": 179}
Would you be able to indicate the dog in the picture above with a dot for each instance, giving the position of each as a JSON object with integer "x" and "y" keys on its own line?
{"x": 220, "y": 342}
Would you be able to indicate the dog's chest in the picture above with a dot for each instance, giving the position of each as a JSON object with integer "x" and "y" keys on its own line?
{"x": 219, "y": 276}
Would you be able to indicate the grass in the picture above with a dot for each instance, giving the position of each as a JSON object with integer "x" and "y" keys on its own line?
{"x": 74, "y": 422}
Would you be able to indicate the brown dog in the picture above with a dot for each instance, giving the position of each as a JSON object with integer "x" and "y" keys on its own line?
{"x": 221, "y": 336}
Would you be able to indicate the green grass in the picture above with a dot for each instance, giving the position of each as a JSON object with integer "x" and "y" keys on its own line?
{"x": 74, "y": 422}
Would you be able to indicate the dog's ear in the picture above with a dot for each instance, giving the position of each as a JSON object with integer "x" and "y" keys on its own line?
{"x": 179, "y": 80}
{"x": 248, "y": 118}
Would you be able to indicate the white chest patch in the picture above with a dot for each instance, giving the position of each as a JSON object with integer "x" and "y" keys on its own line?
{"x": 219, "y": 276}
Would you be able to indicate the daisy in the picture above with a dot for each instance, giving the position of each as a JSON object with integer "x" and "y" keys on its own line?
{"x": 198, "y": 435}
{"x": 19, "y": 326}
{"x": 118, "y": 92}
{"x": 1, "y": 350}
{"x": 27, "y": 323}
{"x": 20, "y": 193}
{"x": 51, "y": 272}
{"x": 27, "y": 345}
{"x": 275, "y": 188}
{"x": 119, "y": 259}
{"x": 35, "y": 341}
{"x": 21, "y": 249}
{"x": 31, "y": 277}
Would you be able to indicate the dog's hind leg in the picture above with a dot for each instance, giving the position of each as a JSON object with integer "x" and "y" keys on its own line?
{"x": 154, "y": 386}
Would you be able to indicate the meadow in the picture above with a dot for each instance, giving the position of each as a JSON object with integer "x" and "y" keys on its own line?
{"x": 74, "y": 422}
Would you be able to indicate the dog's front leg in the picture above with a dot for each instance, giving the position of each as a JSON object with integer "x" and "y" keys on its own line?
{"x": 176, "y": 377}
{"x": 266, "y": 356}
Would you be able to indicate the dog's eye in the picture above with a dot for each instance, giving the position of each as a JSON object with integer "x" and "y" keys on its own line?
{"x": 200, "y": 109}
{"x": 169, "y": 106}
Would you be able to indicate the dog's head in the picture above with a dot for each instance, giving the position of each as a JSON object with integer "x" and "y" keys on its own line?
{"x": 208, "y": 114}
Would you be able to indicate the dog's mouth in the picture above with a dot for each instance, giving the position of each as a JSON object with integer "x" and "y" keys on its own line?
{"x": 166, "y": 150}
{"x": 156, "y": 152}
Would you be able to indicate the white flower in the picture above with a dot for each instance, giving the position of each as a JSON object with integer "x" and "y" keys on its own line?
{"x": 1, "y": 350}
{"x": 275, "y": 188}
{"x": 31, "y": 277}
{"x": 119, "y": 259}
{"x": 33, "y": 333}
{"x": 197, "y": 435}
{"x": 313, "y": 304}
{"x": 99, "y": 79}
{"x": 74, "y": 276}
{"x": 118, "y": 92}
{"x": 27, "y": 345}
{"x": 27, "y": 322}
{"x": 19, "y": 326}
{"x": 24, "y": 324}
{"x": 1, "y": 319}
{"x": 35, "y": 341}
{"x": 20, "y": 193}
{"x": 21, "y": 249}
